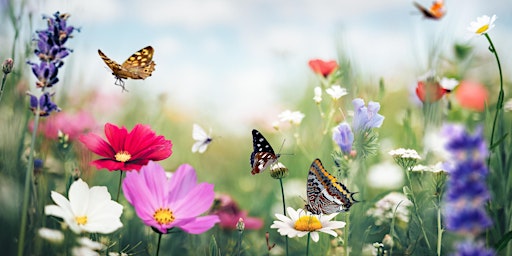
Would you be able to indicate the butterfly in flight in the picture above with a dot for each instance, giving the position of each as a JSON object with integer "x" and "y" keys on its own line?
{"x": 262, "y": 155}
{"x": 435, "y": 12}
{"x": 325, "y": 195}
{"x": 138, "y": 66}
{"x": 202, "y": 139}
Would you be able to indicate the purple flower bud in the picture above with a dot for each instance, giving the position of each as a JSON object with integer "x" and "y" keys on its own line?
{"x": 46, "y": 106}
{"x": 344, "y": 137}
{"x": 366, "y": 118}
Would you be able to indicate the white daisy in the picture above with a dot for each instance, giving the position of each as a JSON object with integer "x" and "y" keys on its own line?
{"x": 294, "y": 117}
{"x": 300, "y": 223}
{"x": 482, "y": 25}
{"x": 90, "y": 210}
{"x": 336, "y": 92}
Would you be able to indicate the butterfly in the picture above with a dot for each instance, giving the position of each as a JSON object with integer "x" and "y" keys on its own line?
{"x": 263, "y": 155}
{"x": 435, "y": 12}
{"x": 324, "y": 193}
{"x": 138, "y": 66}
{"x": 202, "y": 139}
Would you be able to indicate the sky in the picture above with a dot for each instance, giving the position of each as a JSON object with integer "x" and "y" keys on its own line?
{"x": 236, "y": 59}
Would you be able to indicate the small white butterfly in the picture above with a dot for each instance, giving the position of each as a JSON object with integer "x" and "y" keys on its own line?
{"x": 202, "y": 139}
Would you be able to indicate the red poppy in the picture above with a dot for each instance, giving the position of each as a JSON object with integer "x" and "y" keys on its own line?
{"x": 127, "y": 151}
{"x": 429, "y": 91}
{"x": 324, "y": 68}
{"x": 471, "y": 95}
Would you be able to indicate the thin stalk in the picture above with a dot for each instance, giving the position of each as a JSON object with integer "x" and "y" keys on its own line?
{"x": 240, "y": 233}
{"x": 284, "y": 211}
{"x": 27, "y": 185}
{"x": 158, "y": 244}
{"x": 119, "y": 185}
{"x": 345, "y": 234}
{"x": 439, "y": 231}
{"x": 3, "y": 84}
{"x": 416, "y": 210}
{"x": 307, "y": 245}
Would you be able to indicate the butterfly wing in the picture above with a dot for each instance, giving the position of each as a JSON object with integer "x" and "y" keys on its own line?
{"x": 140, "y": 65}
{"x": 202, "y": 139}
{"x": 435, "y": 12}
{"x": 114, "y": 66}
{"x": 263, "y": 154}
{"x": 324, "y": 193}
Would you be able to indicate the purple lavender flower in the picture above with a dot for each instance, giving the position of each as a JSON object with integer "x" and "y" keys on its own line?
{"x": 344, "y": 137}
{"x": 472, "y": 248}
{"x": 46, "y": 73}
{"x": 366, "y": 118}
{"x": 46, "y": 106}
{"x": 466, "y": 191}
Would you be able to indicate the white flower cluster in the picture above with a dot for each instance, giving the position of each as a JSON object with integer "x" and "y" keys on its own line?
{"x": 393, "y": 204}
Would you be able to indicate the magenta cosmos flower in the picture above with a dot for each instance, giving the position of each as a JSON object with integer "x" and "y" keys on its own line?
{"x": 229, "y": 213}
{"x": 164, "y": 203}
{"x": 127, "y": 151}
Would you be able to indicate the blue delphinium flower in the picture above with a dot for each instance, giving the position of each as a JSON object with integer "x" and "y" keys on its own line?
{"x": 46, "y": 106}
{"x": 366, "y": 118}
{"x": 344, "y": 137}
{"x": 466, "y": 189}
{"x": 470, "y": 248}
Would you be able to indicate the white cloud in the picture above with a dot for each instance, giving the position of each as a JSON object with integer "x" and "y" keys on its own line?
{"x": 86, "y": 12}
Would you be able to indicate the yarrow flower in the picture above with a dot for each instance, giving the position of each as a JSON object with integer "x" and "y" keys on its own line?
{"x": 90, "y": 210}
{"x": 482, "y": 25}
{"x": 324, "y": 68}
{"x": 406, "y": 158}
{"x": 43, "y": 105}
{"x": 336, "y": 92}
{"x": 229, "y": 213}
{"x": 163, "y": 203}
{"x": 127, "y": 151}
{"x": 344, "y": 137}
{"x": 366, "y": 118}
{"x": 318, "y": 95}
{"x": 300, "y": 223}
{"x": 391, "y": 205}
{"x": 294, "y": 117}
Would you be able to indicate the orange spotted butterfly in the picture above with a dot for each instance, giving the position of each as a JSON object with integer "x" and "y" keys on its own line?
{"x": 263, "y": 155}
{"x": 138, "y": 66}
{"x": 435, "y": 12}
{"x": 324, "y": 193}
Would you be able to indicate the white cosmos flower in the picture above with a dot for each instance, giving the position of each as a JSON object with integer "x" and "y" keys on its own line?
{"x": 300, "y": 223}
{"x": 90, "y": 210}
{"x": 336, "y": 92}
{"x": 482, "y": 25}
{"x": 294, "y": 117}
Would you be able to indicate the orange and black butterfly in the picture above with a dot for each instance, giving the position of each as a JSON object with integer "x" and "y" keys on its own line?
{"x": 138, "y": 66}
{"x": 435, "y": 12}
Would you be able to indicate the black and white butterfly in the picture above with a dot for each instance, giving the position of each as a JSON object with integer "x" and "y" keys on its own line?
{"x": 263, "y": 155}
{"x": 202, "y": 139}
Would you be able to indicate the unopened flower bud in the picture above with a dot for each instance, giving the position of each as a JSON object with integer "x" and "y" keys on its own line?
{"x": 240, "y": 225}
{"x": 7, "y": 65}
{"x": 278, "y": 171}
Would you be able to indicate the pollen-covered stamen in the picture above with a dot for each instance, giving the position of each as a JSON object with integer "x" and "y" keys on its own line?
{"x": 81, "y": 220}
{"x": 163, "y": 216}
{"x": 482, "y": 29}
{"x": 123, "y": 156}
{"x": 308, "y": 223}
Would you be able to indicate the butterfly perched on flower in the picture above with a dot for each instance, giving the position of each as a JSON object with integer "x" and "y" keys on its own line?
{"x": 202, "y": 139}
{"x": 324, "y": 193}
{"x": 263, "y": 154}
{"x": 138, "y": 66}
{"x": 436, "y": 11}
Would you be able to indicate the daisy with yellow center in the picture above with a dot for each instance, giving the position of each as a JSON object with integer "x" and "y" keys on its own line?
{"x": 482, "y": 25}
{"x": 300, "y": 223}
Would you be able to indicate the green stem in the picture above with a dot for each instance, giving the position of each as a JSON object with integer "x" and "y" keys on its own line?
{"x": 499, "y": 103}
{"x": 284, "y": 211}
{"x": 158, "y": 244}
{"x": 240, "y": 242}
{"x": 119, "y": 185}
{"x": 439, "y": 231}
{"x": 27, "y": 185}
{"x": 307, "y": 245}
{"x": 345, "y": 233}
{"x": 3, "y": 84}
{"x": 416, "y": 210}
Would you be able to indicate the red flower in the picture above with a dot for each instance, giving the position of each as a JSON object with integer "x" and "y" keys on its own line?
{"x": 127, "y": 151}
{"x": 229, "y": 213}
{"x": 324, "y": 68}
{"x": 429, "y": 92}
{"x": 471, "y": 95}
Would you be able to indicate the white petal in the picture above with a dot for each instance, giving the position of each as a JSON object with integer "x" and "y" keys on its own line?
{"x": 79, "y": 197}
{"x": 314, "y": 236}
{"x": 294, "y": 215}
{"x": 328, "y": 231}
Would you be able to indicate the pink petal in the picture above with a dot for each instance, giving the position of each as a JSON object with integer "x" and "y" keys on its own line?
{"x": 196, "y": 202}
{"x": 201, "y": 224}
{"x": 116, "y": 136}
{"x": 97, "y": 145}
{"x": 182, "y": 182}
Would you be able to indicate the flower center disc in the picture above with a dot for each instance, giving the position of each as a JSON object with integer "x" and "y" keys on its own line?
{"x": 308, "y": 223}
{"x": 81, "y": 220}
{"x": 163, "y": 216}
{"x": 123, "y": 156}
{"x": 482, "y": 29}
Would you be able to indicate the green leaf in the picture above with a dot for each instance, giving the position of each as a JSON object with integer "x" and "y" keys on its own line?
{"x": 503, "y": 241}
{"x": 214, "y": 248}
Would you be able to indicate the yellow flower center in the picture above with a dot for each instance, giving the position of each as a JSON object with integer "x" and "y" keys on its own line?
{"x": 163, "y": 216}
{"x": 123, "y": 156}
{"x": 81, "y": 220}
{"x": 308, "y": 223}
{"x": 482, "y": 29}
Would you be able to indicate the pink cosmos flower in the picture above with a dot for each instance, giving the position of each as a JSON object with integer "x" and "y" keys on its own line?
{"x": 164, "y": 203}
{"x": 324, "y": 68}
{"x": 73, "y": 125}
{"x": 127, "y": 151}
{"x": 229, "y": 213}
